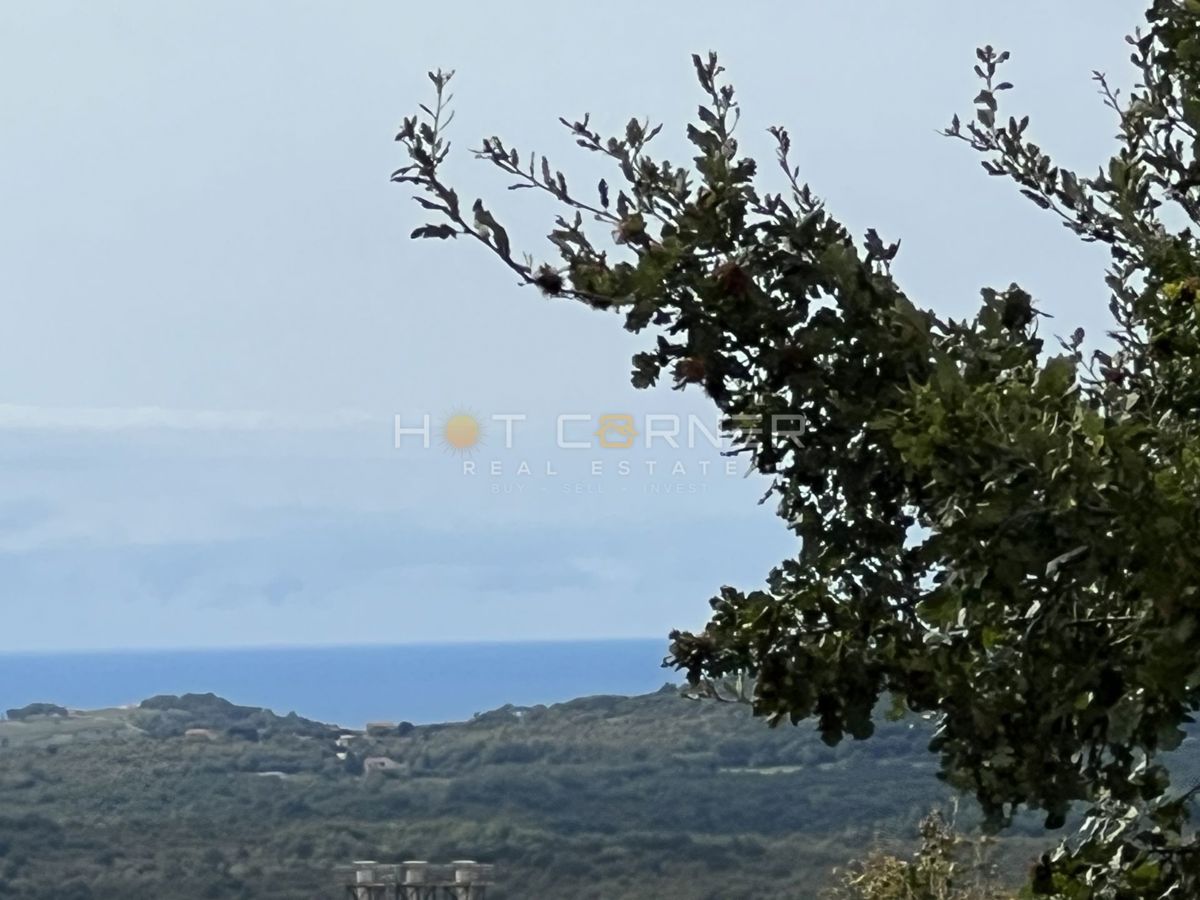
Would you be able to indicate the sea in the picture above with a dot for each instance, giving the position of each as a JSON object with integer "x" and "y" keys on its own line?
{"x": 348, "y": 686}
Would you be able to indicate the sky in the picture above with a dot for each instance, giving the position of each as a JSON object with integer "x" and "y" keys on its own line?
{"x": 213, "y": 315}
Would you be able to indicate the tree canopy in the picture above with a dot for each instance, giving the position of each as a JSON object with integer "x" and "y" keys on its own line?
{"x": 993, "y": 529}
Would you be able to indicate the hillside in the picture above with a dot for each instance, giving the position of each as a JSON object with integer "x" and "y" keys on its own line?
{"x": 642, "y": 797}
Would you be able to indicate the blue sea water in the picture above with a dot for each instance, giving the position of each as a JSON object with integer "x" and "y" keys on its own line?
{"x": 349, "y": 686}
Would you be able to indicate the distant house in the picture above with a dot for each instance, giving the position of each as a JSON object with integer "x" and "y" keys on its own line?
{"x": 380, "y": 729}
{"x": 199, "y": 734}
{"x": 381, "y": 764}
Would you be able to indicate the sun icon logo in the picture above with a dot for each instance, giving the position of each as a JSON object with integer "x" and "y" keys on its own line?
{"x": 461, "y": 433}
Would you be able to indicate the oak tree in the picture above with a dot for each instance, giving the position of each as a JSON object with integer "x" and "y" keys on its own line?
{"x": 994, "y": 529}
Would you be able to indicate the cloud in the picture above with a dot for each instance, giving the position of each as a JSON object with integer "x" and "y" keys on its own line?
{"x": 107, "y": 419}
{"x": 352, "y": 577}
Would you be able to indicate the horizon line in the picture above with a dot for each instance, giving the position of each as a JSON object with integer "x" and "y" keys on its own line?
{"x": 366, "y": 645}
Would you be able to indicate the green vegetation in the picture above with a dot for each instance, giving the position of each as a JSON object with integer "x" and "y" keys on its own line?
{"x": 644, "y": 797}
{"x": 990, "y": 530}
{"x": 35, "y": 709}
{"x": 948, "y": 866}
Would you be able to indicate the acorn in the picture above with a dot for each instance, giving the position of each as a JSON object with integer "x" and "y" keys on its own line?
{"x": 631, "y": 230}
{"x": 690, "y": 370}
{"x": 548, "y": 281}
{"x": 1017, "y": 311}
{"x": 733, "y": 280}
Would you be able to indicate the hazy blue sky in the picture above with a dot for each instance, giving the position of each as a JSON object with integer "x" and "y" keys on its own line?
{"x": 213, "y": 311}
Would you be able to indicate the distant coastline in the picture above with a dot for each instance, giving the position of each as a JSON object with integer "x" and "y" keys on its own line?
{"x": 347, "y": 685}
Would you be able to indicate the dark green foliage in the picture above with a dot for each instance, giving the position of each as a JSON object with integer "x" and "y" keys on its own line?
{"x": 645, "y": 797}
{"x": 36, "y": 709}
{"x": 171, "y": 716}
{"x": 993, "y": 533}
